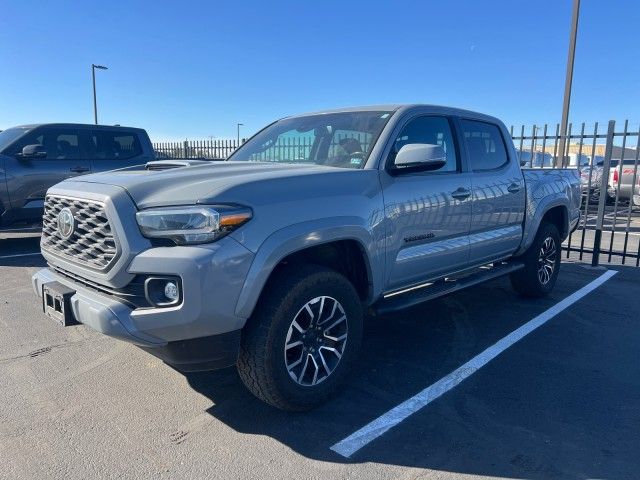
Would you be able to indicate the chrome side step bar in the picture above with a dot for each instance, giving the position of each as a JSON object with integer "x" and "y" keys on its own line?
{"x": 442, "y": 287}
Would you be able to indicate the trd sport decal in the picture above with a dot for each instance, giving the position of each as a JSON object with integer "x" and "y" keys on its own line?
{"x": 416, "y": 238}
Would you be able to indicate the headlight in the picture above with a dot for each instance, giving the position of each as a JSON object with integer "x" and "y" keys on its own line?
{"x": 191, "y": 225}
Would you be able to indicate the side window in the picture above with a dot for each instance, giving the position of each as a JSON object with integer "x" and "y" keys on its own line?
{"x": 485, "y": 145}
{"x": 59, "y": 143}
{"x": 431, "y": 130}
{"x": 33, "y": 138}
{"x": 113, "y": 145}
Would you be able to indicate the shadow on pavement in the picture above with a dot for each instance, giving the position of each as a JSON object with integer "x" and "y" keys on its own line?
{"x": 562, "y": 403}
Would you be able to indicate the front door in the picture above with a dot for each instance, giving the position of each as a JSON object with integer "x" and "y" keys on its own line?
{"x": 428, "y": 214}
{"x": 498, "y": 193}
{"x": 29, "y": 178}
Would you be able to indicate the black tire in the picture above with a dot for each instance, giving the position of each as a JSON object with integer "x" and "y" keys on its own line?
{"x": 262, "y": 363}
{"x": 528, "y": 281}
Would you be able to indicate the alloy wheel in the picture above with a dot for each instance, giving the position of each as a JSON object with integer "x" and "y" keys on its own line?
{"x": 547, "y": 260}
{"x": 316, "y": 341}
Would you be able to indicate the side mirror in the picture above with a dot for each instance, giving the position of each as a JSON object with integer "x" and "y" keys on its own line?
{"x": 33, "y": 151}
{"x": 419, "y": 157}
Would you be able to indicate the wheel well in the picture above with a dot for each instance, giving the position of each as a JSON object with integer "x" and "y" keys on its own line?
{"x": 558, "y": 217}
{"x": 344, "y": 256}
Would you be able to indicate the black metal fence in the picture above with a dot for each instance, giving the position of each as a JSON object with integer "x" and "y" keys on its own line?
{"x": 290, "y": 149}
{"x": 205, "y": 149}
{"x": 605, "y": 156}
{"x": 607, "y": 160}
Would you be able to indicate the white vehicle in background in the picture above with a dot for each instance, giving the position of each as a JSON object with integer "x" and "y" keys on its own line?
{"x": 626, "y": 180}
{"x": 591, "y": 187}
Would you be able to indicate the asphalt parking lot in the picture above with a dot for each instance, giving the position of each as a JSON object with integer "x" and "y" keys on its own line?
{"x": 563, "y": 402}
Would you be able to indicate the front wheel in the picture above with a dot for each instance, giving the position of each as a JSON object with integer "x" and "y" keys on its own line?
{"x": 541, "y": 264}
{"x": 302, "y": 339}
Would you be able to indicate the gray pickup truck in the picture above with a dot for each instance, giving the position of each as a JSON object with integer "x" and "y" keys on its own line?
{"x": 270, "y": 260}
{"x": 35, "y": 157}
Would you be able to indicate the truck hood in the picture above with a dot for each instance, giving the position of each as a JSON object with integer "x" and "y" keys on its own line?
{"x": 248, "y": 183}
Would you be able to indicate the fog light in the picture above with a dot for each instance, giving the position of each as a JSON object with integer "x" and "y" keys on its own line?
{"x": 163, "y": 291}
{"x": 171, "y": 292}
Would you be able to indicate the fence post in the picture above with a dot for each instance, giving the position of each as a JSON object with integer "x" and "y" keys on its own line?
{"x": 186, "y": 149}
{"x": 602, "y": 200}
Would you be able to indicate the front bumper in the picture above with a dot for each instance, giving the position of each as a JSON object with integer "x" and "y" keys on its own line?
{"x": 202, "y": 332}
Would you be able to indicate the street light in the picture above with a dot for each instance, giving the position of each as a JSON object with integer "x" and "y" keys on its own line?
{"x": 567, "y": 82}
{"x": 239, "y": 125}
{"x": 93, "y": 75}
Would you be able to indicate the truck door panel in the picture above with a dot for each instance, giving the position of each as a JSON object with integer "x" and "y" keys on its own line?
{"x": 498, "y": 193}
{"x": 427, "y": 214}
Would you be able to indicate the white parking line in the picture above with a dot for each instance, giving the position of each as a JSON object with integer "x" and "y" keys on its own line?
{"x": 20, "y": 255}
{"x": 393, "y": 417}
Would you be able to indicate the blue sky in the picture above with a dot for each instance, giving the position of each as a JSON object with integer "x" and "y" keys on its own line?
{"x": 194, "y": 69}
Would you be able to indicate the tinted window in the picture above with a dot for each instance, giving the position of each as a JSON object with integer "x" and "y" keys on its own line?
{"x": 484, "y": 144}
{"x": 59, "y": 143}
{"x": 431, "y": 130}
{"x": 9, "y": 135}
{"x": 113, "y": 145}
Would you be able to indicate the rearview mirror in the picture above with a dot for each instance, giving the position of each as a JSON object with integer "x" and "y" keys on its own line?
{"x": 419, "y": 157}
{"x": 33, "y": 151}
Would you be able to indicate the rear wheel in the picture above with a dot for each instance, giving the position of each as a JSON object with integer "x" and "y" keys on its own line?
{"x": 302, "y": 339}
{"x": 541, "y": 264}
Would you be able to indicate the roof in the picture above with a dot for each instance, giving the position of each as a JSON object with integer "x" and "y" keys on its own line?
{"x": 405, "y": 107}
{"x": 75, "y": 125}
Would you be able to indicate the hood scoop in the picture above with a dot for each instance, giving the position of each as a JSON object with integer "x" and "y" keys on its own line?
{"x": 171, "y": 164}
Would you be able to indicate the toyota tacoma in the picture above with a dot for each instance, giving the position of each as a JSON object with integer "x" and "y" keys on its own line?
{"x": 272, "y": 259}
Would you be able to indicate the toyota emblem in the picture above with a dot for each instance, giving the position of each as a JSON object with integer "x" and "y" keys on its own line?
{"x": 66, "y": 223}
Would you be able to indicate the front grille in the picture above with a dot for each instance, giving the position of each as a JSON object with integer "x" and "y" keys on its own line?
{"x": 92, "y": 242}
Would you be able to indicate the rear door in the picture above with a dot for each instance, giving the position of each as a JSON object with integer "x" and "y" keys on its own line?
{"x": 112, "y": 149}
{"x": 498, "y": 192}
{"x": 29, "y": 178}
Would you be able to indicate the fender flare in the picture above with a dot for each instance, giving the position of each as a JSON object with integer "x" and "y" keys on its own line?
{"x": 300, "y": 236}
{"x": 532, "y": 224}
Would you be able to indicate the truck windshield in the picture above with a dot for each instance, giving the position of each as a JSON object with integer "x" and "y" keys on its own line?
{"x": 9, "y": 135}
{"x": 334, "y": 139}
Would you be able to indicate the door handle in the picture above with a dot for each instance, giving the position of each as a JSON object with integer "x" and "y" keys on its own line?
{"x": 513, "y": 188}
{"x": 79, "y": 169}
{"x": 461, "y": 194}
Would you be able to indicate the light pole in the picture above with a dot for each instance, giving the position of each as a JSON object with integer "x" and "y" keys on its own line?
{"x": 93, "y": 75}
{"x": 238, "y": 126}
{"x": 567, "y": 82}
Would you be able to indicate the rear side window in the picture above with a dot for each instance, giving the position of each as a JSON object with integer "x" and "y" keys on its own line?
{"x": 485, "y": 145}
{"x": 113, "y": 145}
